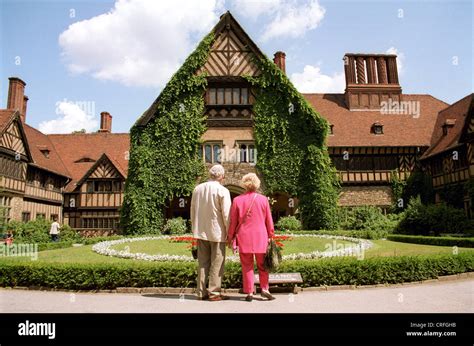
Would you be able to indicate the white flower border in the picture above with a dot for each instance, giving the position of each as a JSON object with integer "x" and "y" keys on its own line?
{"x": 104, "y": 248}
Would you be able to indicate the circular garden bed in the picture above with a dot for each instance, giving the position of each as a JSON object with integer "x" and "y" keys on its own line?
{"x": 177, "y": 248}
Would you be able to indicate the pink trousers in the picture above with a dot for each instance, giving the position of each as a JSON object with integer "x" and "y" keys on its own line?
{"x": 246, "y": 260}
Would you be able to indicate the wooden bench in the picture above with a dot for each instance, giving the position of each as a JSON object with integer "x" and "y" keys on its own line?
{"x": 281, "y": 278}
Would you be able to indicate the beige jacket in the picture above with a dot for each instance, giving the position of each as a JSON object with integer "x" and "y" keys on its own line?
{"x": 210, "y": 208}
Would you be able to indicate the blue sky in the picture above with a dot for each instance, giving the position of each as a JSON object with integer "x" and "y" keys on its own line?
{"x": 118, "y": 62}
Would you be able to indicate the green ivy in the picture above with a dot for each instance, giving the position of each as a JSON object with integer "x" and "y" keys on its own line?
{"x": 164, "y": 159}
{"x": 290, "y": 138}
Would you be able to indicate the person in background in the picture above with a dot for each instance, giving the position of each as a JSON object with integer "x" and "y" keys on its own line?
{"x": 251, "y": 224}
{"x": 210, "y": 207}
{"x": 54, "y": 230}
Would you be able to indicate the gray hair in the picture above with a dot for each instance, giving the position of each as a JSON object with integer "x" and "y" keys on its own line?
{"x": 216, "y": 172}
{"x": 251, "y": 182}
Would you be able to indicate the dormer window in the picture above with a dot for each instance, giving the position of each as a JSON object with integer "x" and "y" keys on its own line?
{"x": 377, "y": 128}
{"x": 449, "y": 123}
{"x": 45, "y": 152}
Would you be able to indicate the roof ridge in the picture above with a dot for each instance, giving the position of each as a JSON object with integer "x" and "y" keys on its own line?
{"x": 458, "y": 101}
{"x": 88, "y": 134}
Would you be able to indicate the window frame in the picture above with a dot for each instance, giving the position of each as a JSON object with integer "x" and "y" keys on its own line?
{"x": 212, "y": 144}
{"x": 248, "y": 155}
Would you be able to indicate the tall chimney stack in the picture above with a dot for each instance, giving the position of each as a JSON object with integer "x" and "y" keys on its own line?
{"x": 16, "y": 96}
{"x": 280, "y": 60}
{"x": 105, "y": 122}
{"x": 371, "y": 79}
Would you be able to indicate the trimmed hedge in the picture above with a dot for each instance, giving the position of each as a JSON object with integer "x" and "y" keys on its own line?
{"x": 336, "y": 271}
{"x": 439, "y": 241}
{"x": 363, "y": 234}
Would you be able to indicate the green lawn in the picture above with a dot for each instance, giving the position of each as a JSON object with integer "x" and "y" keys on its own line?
{"x": 84, "y": 254}
{"x": 392, "y": 248}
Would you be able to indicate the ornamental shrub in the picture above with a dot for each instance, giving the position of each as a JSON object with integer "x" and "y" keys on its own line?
{"x": 420, "y": 219}
{"x": 366, "y": 218}
{"x": 288, "y": 223}
{"x": 175, "y": 226}
{"x": 37, "y": 231}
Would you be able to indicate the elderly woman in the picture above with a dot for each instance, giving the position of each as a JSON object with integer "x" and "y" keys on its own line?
{"x": 251, "y": 225}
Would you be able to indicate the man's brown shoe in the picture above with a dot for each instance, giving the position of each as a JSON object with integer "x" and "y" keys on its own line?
{"x": 217, "y": 298}
{"x": 203, "y": 298}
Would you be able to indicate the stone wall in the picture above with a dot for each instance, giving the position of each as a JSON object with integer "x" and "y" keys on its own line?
{"x": 366, "y": 195}
{"x": 16, "y": 208}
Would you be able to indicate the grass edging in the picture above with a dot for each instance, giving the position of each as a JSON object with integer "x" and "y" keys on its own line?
{"x": 328, "y": 272}
{"x": 438, "y": 241}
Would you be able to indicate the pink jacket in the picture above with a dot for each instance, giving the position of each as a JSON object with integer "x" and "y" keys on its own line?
{"x": 253, "y": 235}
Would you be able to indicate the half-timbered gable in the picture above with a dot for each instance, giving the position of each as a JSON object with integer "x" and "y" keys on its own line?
{"x": 95, "y": 201}
{"x": 14, "y": 157}
{"x": 450, "y": 160}
{"x": 233, "y": 52}
{"x": 229, "y": 98}
{"x": 13, "y": 138}
{"x": 46, "y": 178}
{"x": 98, "y": 164}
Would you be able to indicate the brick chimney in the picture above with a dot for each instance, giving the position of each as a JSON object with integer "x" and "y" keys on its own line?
{"x": 16, "y": 96}
{"x": 280, "y": 60}
{"x": 105, "y": 122}
{"x": 370, "y": 80}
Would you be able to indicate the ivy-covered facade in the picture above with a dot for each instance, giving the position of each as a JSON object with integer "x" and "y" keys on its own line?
{"x": 229, "y": 104}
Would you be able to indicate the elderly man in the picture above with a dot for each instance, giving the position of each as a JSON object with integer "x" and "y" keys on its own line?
{"x": 210, "y": 207}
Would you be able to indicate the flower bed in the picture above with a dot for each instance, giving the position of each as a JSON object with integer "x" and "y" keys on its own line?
{"x": 104, "y": 248}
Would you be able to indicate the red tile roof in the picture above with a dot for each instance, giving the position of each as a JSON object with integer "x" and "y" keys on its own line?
{"x": 455, "y": 117}
{"x": 353, "y": 128}
{"x": 37, "y": 142}
{"x": 74, "y": 147}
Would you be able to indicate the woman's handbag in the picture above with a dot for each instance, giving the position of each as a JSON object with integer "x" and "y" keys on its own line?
{"x": 272, "y": 257}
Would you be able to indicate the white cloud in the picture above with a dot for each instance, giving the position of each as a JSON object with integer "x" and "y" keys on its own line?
{"x": 400, "y": 58}
{"x": 312, "y": 80}
{"x": 255, "y": 8}
{"x": 71, "y": 117}
{"x": 138, "y": 42}
{"x": 287, "y": 18}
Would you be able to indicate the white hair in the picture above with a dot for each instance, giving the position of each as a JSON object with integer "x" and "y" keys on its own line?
{"x": 216, "y": 172}
{"x": 251, "y": 182}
